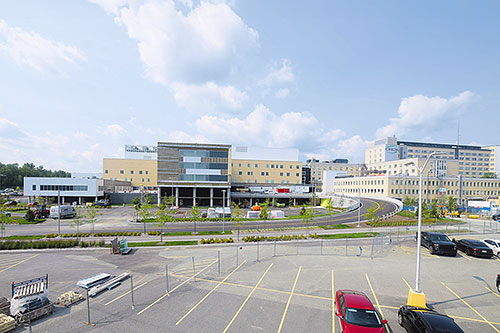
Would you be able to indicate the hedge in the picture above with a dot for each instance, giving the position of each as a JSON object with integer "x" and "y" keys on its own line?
{"x": 272, "y": 238}
{"x": 216, "y": 240}
{"x": 48, "y": 244}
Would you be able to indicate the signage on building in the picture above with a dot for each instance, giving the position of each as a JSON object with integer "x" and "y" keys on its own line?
{"x": 442, "y": 190}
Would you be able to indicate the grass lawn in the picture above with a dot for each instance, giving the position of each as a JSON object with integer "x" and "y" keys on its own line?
{"x": 351, "y": 235}
{"x": 21, "y": 237}
{"x": 335, "y": 226}
{"x": 171, "y": 243}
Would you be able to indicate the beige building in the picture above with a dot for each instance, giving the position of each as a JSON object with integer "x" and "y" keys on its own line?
{"x": 400, "y": 187}
{"x": 436, "y": 167}
{"x": 137, "y": 172}
{"x": 340, "y": 166}
{"x": 266, "y": 172}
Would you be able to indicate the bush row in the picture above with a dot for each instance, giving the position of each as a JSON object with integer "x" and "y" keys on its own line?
{"x": 48, "y": 244}
{"x": 272, "y": 238}
{"x": 154, "y": 233}
{"x": 97, "y": 234}
{"x": 216, "y": 240}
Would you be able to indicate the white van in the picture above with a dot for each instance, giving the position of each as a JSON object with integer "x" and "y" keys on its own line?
{"x": 67, "y": 211}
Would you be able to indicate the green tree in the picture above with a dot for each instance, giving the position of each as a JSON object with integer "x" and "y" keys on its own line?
{"x": 434, "y": 209}
{"x": 164, "y": 213}
{"x": 4, "y": 219}
{"x": 195, "y": 214}
{"x": 451, "y": 204}
{"x": 29, "y": 216}
{"x": 489, "y": 175}
{"x": 79, "y": 219}
{"x": 238, "y": 214}
{"x": 137, "y": 206}
{"x": 91, "y": 215}
{"x": 371, "y": 213}
{"x": 145, "y": 213}
{"x": 307, "y": 215}
{"x": 264, "y": 210}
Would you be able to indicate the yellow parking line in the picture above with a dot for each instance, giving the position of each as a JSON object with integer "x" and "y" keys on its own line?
{"x": 333, "y": 306}
{"x": 374, "y": 296}
{"x": 460, "y": 298}
{"x": 464, "y": 256}
{"x": 389, "y": 307}
{"x": 246, "y": 299}
{"x": 210, "y": 292}
{"x": 181, "y": 284}
{"x": 20, "y": 262}
{"x": 289, "y": 299}
{"x": 406, "y": 282}
{"x": 118, "y": 290}
{"x": 264, "y": 289}
{"x": 125, "y": 294}
{"x": 494, "y": 293}
{"x": 408, "y": 253}
{"x": 473, "y": 319}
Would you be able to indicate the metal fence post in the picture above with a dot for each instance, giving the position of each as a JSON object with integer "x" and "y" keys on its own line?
{"x": 88, "y": 309}
{"x": 194, "y": 269}
{"x": 166, "y": 277}
{"x": 132, "y": 290}
{"x": 236, "y": 255}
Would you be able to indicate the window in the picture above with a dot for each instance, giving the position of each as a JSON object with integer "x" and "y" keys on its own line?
{"x": 148, "y": 180}
{"x": 262, "y": 173}
{"x": 131, "y": 179}
{"x": 281, "y": 166}
{"x": 121, "y": 172}
{"x": 281, "y": 174}
{"x": 106, "y": 171}
{"x": 143, "y": 180}
{"x": 256, "y": 165}
{"x": 33, "y": 187}
{"x": 140, "y": 172}
{"x": 126, "y": 179}
{"x": 297, "y": 174}
{"x": 288, "y": 174}
{"x": 240, "y": 173}
{"x": 147, "y": 173}
{"x": 267, "y": 166}
{"x": 248, "y": 165}
{"x": 239, "y": 164}
{"x": 131, "y": 172}
{"x": 272, "y": 181}
{"x": 272, "y": 166}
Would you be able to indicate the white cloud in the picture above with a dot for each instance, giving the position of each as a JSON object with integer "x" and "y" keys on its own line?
{"x": 197, "y": 46}
{"x": 32, "y": 50}
{"x": 425, "y": 115}
{"x": 283, "y": 74}
{"x": 10, "y": 130}
{"x": 115, "y": 131}
{"x": 207, "y": 97}
{"x": 181, "y": 136}
{"x": 282, "y": 93}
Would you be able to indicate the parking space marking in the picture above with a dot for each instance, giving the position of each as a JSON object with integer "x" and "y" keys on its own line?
{"x": 289, "y": 299}
{"x": 260, "y": 288}
{"x": 19, "y": 262}
{"x": 333, "y": 305}
{"x": 178, "y": 286}
{"x": 116, "y": 291}
{"x": 406, "y": 282}
{"x": 210, "y": 292}
{"x": 494, "y": 293}
{"x": 125, "y": 294}
{"x": 466, "y": 257}
{"x": 475, "y": 311}
{"x": 408, "y": 253}
{"x": 374, "y": 296}
{"x": 248, "y": 297}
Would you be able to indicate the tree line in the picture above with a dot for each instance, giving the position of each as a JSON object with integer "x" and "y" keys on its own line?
{"x": 11, "y": 175}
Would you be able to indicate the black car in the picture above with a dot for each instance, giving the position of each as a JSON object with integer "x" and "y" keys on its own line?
{"x": 439, "y": 243}
{"x": 496, "y": 217}
{"x": 417, "y": 320}
{"x": 102, "y": 203}
{"x": 498, "y": 282}
{"x": 473, "y": 247}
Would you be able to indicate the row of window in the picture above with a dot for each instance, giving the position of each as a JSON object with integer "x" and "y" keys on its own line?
{"x": 203, "y": 153}
{"x": 131, "y": 172}
{"x": 204, "y": 178}
{"x": 266, "y": 174}
{"x": 272, "y": 181}
{"x": 196, "y": 165}
{"x": 272, "y": 166}
{"x": 73, "y": 188}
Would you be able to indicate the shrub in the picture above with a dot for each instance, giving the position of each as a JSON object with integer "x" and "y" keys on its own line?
{"x": 30, "y": 216}
{"x": 216, "y": 240}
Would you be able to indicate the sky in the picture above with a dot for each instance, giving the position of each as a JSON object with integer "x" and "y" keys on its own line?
{"x": 80, "y": 79}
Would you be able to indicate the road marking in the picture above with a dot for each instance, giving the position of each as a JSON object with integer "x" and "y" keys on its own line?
{"x": 264, "y": 289}
{"x": 333, "y": 306}
{"x": 374, "y": 296}
{"x": 494, "y": 293}
{"x": 171, "y": 291}
{"x": 20, "y": 262}
{"x": 408, "y": 253}
{"x": 210, "y": 292}
{"x": 406, "y": 282}
{"x": 464, "y": 256}
{"x": 117, "y": 290}
{"x": 460, "y": 298}
{"x": 246, "y": 300}
{"x": 289, "y": 299}
{"x": 125, "y": 294}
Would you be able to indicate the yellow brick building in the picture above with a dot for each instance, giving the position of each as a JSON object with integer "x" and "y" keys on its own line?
{"x": 266, "y": 172}
{"x": 138, "y": 172}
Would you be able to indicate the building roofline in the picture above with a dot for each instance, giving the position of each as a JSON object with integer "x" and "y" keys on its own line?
{"x": 439, "y": 145}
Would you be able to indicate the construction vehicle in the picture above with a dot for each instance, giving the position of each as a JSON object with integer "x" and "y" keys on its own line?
{"x": 41, "y": 212}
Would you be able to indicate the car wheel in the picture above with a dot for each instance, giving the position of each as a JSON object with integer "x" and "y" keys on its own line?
{"x": 468, "y": 252}
{"x": 431, "y": 250}
{"x": 498, "y": 287}
{"x": 400, "y": 319}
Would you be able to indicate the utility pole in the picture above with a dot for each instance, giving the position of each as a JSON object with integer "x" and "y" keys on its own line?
{"x": 59, "y": 212}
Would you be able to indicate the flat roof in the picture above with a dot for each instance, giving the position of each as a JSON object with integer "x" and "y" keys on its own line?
{"x": 439, "y": 145}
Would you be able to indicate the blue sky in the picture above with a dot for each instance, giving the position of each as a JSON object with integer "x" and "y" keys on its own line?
{"x": 80, "y": 79}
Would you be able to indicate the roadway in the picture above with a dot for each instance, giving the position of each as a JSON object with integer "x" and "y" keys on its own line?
{"x": 110, "y": 225}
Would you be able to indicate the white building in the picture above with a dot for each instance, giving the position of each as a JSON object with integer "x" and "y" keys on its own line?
{"x": 70, "y": 189}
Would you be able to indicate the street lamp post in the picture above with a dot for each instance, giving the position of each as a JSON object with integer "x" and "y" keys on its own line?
{"x": 417, "y": 297}
{"x": 58, "y": 211}
{"x": 223, "y": 208}
{"x": 359, "y": 208}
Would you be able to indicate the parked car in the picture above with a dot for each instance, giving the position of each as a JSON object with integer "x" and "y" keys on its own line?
{"x": 10, "y": 203}
{"x": 102, "y": 203}
{"x": 494, "y": 245}
{"x": 498, "y": 283}
{"x": 496, "y": 217}
{"x": 473, "y": 247}
{"x": 417, "y": 320}
{"x": 438, "y": 243}
{"x": 66, "y": 211}
{"x": 5, "y": 213}
{"x": 356, "y": 312}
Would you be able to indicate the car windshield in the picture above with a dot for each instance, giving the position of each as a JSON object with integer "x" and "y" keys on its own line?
{"x": 362, "y": 317}
{"x": 441, "y": 238}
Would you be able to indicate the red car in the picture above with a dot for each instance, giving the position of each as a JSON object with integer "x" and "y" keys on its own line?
{"x": 356, "y": 313}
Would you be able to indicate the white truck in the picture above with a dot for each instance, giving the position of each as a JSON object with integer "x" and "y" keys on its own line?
{"x": 67, "y": 211}
{"x": 482, "y": 205}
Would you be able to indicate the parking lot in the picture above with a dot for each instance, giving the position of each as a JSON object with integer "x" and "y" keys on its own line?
{"x": 287, "y": 292}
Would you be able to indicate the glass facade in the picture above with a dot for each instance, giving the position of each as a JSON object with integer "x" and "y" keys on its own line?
{"x": 64, "y": 187}
{"x": 204, "y": 178}
{"x": 203, "y": 153}
{"x": 194, "y": 165}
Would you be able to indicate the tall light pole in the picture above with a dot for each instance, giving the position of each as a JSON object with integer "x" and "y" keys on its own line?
{"x": 359, "y": 209}
{"x": 417, "y": 297}
{"x": 223, "y": 209}
{"x": 59, "y": 211}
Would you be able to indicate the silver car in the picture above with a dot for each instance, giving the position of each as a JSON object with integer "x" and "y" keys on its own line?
{"x": 494, "y": 245}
